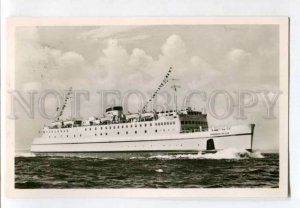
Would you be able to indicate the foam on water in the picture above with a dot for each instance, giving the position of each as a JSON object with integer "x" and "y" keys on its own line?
{"x": 25, "y": 154}
{"x": 230, "y": 153}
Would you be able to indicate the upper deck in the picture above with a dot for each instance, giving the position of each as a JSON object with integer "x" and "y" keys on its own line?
{"x": 115, "y": 123}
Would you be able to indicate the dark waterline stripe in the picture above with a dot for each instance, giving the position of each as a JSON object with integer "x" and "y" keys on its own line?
{"x": 127, "y": 152}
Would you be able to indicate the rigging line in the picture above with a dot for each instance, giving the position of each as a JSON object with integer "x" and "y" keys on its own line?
{"x": 165, "y": 80}
{"x": 68, "y": 96}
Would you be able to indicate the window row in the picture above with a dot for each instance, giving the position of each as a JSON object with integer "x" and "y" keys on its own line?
{"x": 131, "y": 126}
{"x": 115, "y": 127}
{"x": 194, "y": 122}
{"x": 118, "y": 133}
{"x": 56, "y": 131}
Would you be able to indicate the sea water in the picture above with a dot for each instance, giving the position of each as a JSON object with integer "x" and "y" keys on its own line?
{"x": 225, "y": 169}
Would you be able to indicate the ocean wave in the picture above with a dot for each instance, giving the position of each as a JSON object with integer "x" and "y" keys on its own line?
{"x": 133, "y": 158}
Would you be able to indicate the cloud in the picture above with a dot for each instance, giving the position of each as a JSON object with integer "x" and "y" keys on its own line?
{"x": 97, "y": 35}
{"x": 174, "y": 48}
{"x": 139, "y": 59}
{"x": 239, "y": 56}
{"x": 130, "y": 39}
{"x": 71, "y": 59}
{"x": 32, "y": 86}
{"x": 117, "y": 68}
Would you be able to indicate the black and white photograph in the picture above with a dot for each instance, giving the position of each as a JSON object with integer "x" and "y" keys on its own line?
{"x": 148, "y": 104}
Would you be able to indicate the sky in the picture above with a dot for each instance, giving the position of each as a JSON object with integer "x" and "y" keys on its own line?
{"x": 203, "y": 57}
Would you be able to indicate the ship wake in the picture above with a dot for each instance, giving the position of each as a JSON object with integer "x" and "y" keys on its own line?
{"x": 231, "y": 153}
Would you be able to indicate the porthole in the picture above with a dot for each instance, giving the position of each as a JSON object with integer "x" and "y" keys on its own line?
{"x": 118, "y": 132}
{"x": 95, "y": 134}
{"x": 155, "y": 130}
{"x": 145, "y": 124}
{"x": 67, "y": 135}
{"x": 126, "y": 132}
{"x": 135, "y": 132}
{"x": 105, "y": 133}
{"x": 80, "y": 135}
{"x": 95, "y": 128}
{"x": 150, "y": 124}
{"x": 145, "y": 131}
{"x": 74, "y": 135}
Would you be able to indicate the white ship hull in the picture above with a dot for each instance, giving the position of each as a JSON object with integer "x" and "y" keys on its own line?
{"x": 239, "y": 137}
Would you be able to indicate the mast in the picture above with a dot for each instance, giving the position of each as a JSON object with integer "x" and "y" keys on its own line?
{"x": 175, "y": 87}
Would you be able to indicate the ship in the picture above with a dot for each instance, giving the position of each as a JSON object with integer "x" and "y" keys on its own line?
{"x": 184, "y": 131}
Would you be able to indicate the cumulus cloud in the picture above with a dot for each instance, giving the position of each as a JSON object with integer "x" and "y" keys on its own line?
{"x": 139, "y": 59}
{"x": 117, "y": 68}
{"x": 174, "y": 49}
{"x": 239, "y": 56}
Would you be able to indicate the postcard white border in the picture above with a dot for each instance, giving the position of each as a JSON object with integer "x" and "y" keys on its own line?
{"x": 282, "y": 191}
